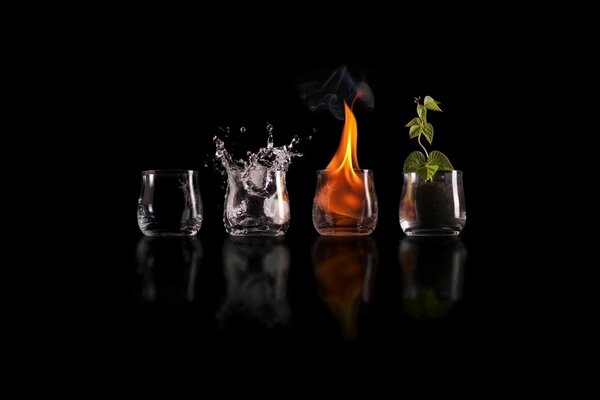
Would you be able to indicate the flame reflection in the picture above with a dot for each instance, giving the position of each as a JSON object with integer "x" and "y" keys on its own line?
{"x": 344, "y": 271}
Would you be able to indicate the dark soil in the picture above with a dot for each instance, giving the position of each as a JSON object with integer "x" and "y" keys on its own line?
{"x": 434, "y": 204}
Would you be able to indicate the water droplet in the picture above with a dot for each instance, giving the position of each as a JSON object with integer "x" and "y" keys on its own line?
{"x": 269, "y": 127}
{"x": 294, "y": 141}
{"x": 314, "y": 130}
{"x": 243, "y": 129}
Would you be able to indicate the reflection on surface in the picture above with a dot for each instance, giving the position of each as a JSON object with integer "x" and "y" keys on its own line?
{"x": 168, "y": 267}
{"x": 256, "y": 270}
{"x": 345, "y": 270}
{"x": 433, "y": 273}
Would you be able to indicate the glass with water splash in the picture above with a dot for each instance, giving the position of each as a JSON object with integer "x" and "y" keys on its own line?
{"x": 256, "y": 200}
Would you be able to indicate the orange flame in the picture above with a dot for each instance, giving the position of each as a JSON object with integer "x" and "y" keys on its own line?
{"x": 343, "y": 192}
{"x": 345, "y": 156}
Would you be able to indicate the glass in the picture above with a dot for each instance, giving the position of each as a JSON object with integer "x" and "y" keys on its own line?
{"x": 169, "y": 203}
{"x": 256, "y": 203}
{"x": 435, "y": 208}
{"x": 345, "y": 270}
{"x": 345, "y": 203}
{"x": 433, "y": 270}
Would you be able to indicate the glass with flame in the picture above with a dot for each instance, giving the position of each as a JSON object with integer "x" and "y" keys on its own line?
{"x": 345, "y": 202}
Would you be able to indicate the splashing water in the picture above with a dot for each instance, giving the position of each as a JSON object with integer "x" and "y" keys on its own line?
{"x": 254, "y": 194}
{"x": 270, "y": 157}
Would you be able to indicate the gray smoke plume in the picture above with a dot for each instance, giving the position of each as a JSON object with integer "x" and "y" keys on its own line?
{"x": 331, "y": 94}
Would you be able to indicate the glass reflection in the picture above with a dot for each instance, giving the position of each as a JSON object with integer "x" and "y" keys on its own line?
{"x": 167, "y": 268}
{"x": 256, "y": 270}
{"x": 345, "y": 270}
{"x": 433, "y": 274}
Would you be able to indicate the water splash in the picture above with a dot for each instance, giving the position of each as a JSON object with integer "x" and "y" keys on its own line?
{"x": 256, "y": 200}
{"x": 270, "y": 157}
{"x": 270, "y": 137}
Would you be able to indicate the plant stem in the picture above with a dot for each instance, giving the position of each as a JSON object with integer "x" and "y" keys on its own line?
{"x": 421, "y": 144}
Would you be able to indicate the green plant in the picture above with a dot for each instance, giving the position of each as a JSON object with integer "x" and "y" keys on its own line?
{"x": 425, "y": 164}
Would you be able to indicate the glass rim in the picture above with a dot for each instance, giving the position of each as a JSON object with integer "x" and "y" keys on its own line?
{"x": 168, "y": 171}
{"x": 320, "y": 171}
{"x": 458, "y": 171}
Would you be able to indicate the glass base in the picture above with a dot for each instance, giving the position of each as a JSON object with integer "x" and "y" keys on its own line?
{"x": 165, "y": 233}
{"x": 345, "y": 231}
{"x": 432, "y": 232}
{"x": 255, "y": 232}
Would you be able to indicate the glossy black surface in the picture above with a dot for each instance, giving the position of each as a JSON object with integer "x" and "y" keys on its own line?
{"x": 301, "y": 295}
{"x": 331, "y": 290}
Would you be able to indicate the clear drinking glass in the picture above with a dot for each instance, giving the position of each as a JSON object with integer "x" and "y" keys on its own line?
{"x": 256, "y": 203}
{"x": 170, "y": 203}
{"x": 435, "y": 208}
{"x": 345, "y": 203}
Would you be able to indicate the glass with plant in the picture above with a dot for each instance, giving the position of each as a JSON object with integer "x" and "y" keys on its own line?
{"x": 432, "y": 201}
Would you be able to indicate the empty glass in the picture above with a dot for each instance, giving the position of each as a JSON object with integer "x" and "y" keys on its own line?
{"x": 169, "y": 203}
{"x": 345, "y": 202}
{"x": 256, "y": 203}
{"x": 435, "y": 208}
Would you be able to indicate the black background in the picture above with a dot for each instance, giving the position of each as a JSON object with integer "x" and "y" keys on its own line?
{"x": 166, "y": 99}
{"x": 159, "y": 98}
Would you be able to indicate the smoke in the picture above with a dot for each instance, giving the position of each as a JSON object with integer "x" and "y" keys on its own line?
{"x": 331, "y": 94}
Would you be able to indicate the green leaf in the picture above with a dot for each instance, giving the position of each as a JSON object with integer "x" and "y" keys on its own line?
{"x": 414, "y": 121}
{"x": 415, "y": 131}
{"x": 427, "y": 171}
{"x": 431, "y": 104}
{"x": 422, "y": 112}
{"x": 414, "y": 160}
{"x": 438, "y": 158}
{"x": 428, "y": 132}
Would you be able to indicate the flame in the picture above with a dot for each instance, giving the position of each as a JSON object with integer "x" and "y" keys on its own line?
{"x": 343, "y": 191}
{"x": 345, "y": 156}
